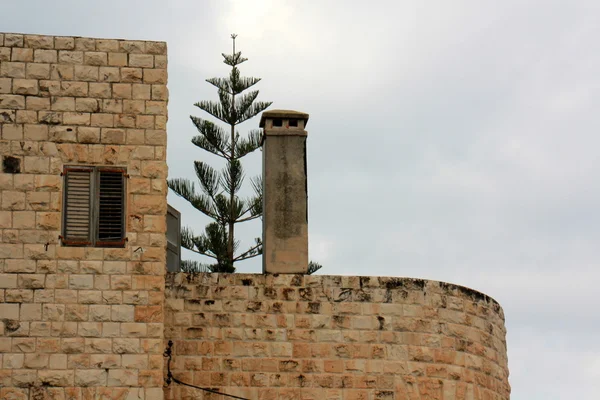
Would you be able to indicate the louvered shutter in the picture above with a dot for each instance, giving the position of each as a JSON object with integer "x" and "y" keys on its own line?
{"x": 77, "y": 206}
{"x": 111, "y": 207}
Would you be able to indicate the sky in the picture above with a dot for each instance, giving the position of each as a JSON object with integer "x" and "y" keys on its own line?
{"x": 448, "y": 140}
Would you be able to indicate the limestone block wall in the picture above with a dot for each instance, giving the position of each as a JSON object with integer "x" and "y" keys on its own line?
{"x": 334, "y": 337}
{"x": 81, "y": 322}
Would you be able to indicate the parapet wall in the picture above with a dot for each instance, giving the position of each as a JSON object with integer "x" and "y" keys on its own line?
{"x": 334, "y": 337}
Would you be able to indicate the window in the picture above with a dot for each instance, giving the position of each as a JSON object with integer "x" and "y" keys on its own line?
{"x": 94, "y": 206}
{"x": 173, "y": 240}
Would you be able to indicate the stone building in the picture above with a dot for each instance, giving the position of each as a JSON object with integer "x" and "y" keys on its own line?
{"x": 86, "y": 305}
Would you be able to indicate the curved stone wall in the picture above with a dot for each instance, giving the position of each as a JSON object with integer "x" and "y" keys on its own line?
{"x": 334, "y": 337}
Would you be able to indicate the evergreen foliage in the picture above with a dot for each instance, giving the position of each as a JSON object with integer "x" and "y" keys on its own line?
{"x": 216, "y": 196}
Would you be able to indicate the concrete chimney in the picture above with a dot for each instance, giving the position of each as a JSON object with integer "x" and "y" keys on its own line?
{"x": 285, "y": 197}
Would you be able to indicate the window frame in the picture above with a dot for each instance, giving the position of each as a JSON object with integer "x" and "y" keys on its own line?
{"x": 94, "y": 217}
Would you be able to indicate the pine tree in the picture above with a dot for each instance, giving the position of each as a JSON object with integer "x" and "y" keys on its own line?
{"x": 218, "y": 197}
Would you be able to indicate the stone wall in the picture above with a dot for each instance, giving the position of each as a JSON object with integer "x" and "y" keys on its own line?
{"x": 334, "y": 337}
{"x": 81, "y": 322}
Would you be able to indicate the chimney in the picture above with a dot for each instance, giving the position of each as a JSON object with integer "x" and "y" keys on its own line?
{"x": 285, "y": 197}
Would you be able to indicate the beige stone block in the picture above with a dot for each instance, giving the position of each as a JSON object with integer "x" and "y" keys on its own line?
{"x": 21, "y": 54}
{"x": 109, "y": 74}
{"x": 17, "y": 265}
{"x": 12, "y": 132}
{"x": 126, "y": 346}
{"x": 26, "y": 117}
{"x": 13, "y": 200}
{"x": 37, "y": 71}
{"x": 48, "y": 220}
{"x": 89, "y": 329}
{"x": 156, "y": 108}
{"x": 18, "y": 296}
{"x": 39, "y": 41}
{"x": 105, "y": 360}
{"x": 88, "y": 135}
{"x": 36, "y": 165}
{"x": 14, "y": 69}
{"x": 157, "y": 137}
{"x": 117, "y": 59}
{"x": 143, "y": 153}
{"x": 8, "y": 281}
{"x": 160, "y": 92}
{"x": 79, "y": 360}
{"x": 58, "y": 378}
{"x": 76, "y": 89}
{"x": 133, "y": 106}
{"x": 25, "y": 86}
{"x": 62, "y": 72}
{"x": 134, "y": 75}
{"x": 141, "y": 91}
{"x": 98, "y": 346}
{"x": 32, "y": 281}
{"x": 87, "y": 73}
{"x": 45, "y": 56}
{"x": 95, "y": 58}
{"x": 31, "y": 312}
{"x": 9, "y": 311}
{"x": 112, "y": 136}
{"x": 91, "y": 377}
{"x": 112, "y": 106}
{"x": 134, "y": 329}
{"x": 38, "y": 103}
{"x": 110, "y": 329}
{"x": 124, "y": 121}
{"x": 122, "y": 313}
{"x": 64, "y": 43}
{"x": 36, "y": 361}
{"x": 155, "y": 76}
{"x": 35, "y": 132}
{"x": 76, "y": 118}
{"x": 121, "y": 90}
{"x": 141, "y": 60}
{"x": 50, "y": 117}
{"x": 107, "y": 45}
{"x": 5, "y": 85}
{"x": 85, "y": 44}
{"x": 122, "y": 377}
{"x": 132, "y": 46}
{"x": 13, "y": 361}
{"x": 5, "y": 219}
{"x": 63, "y": 103}
{"x": 100, "y": 90}
{"x": 70, "y": 57}
{"x": 90, "y": 296}
{"x": 100, "y": 313}
{"x": 80, "y": 282}
{"x": 5, "y": 54}
{"x": 160, "y": 61}
{"x": 49, "y": 88}
{"x": 102, "y": 120}
{"x": 13, "y": 40}
{"x": 154, "y": 169}
{"x": 24, "y": 219}
{"x": 87, "y": 105}
{"x": 53, "y": 312}
{"x": 57, "y": 361}
{"x": 12, "y": 102}
{"x": 62, "y": 134}
{"x": 112, "y": 296}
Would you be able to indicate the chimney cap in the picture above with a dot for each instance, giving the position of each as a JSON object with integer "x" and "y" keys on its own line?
{"x": 284, "y": 114}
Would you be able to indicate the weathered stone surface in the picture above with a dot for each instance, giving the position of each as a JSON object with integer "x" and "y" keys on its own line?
{"x": 69, "y": 313}
{"x": 360, "y": 337}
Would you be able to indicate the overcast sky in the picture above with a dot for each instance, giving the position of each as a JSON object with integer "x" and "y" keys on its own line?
{"x": 449, "y": 140}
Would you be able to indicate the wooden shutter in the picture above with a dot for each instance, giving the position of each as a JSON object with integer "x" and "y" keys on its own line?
{"x": 111, "y": 207}
{"x": 77, "y": 206}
